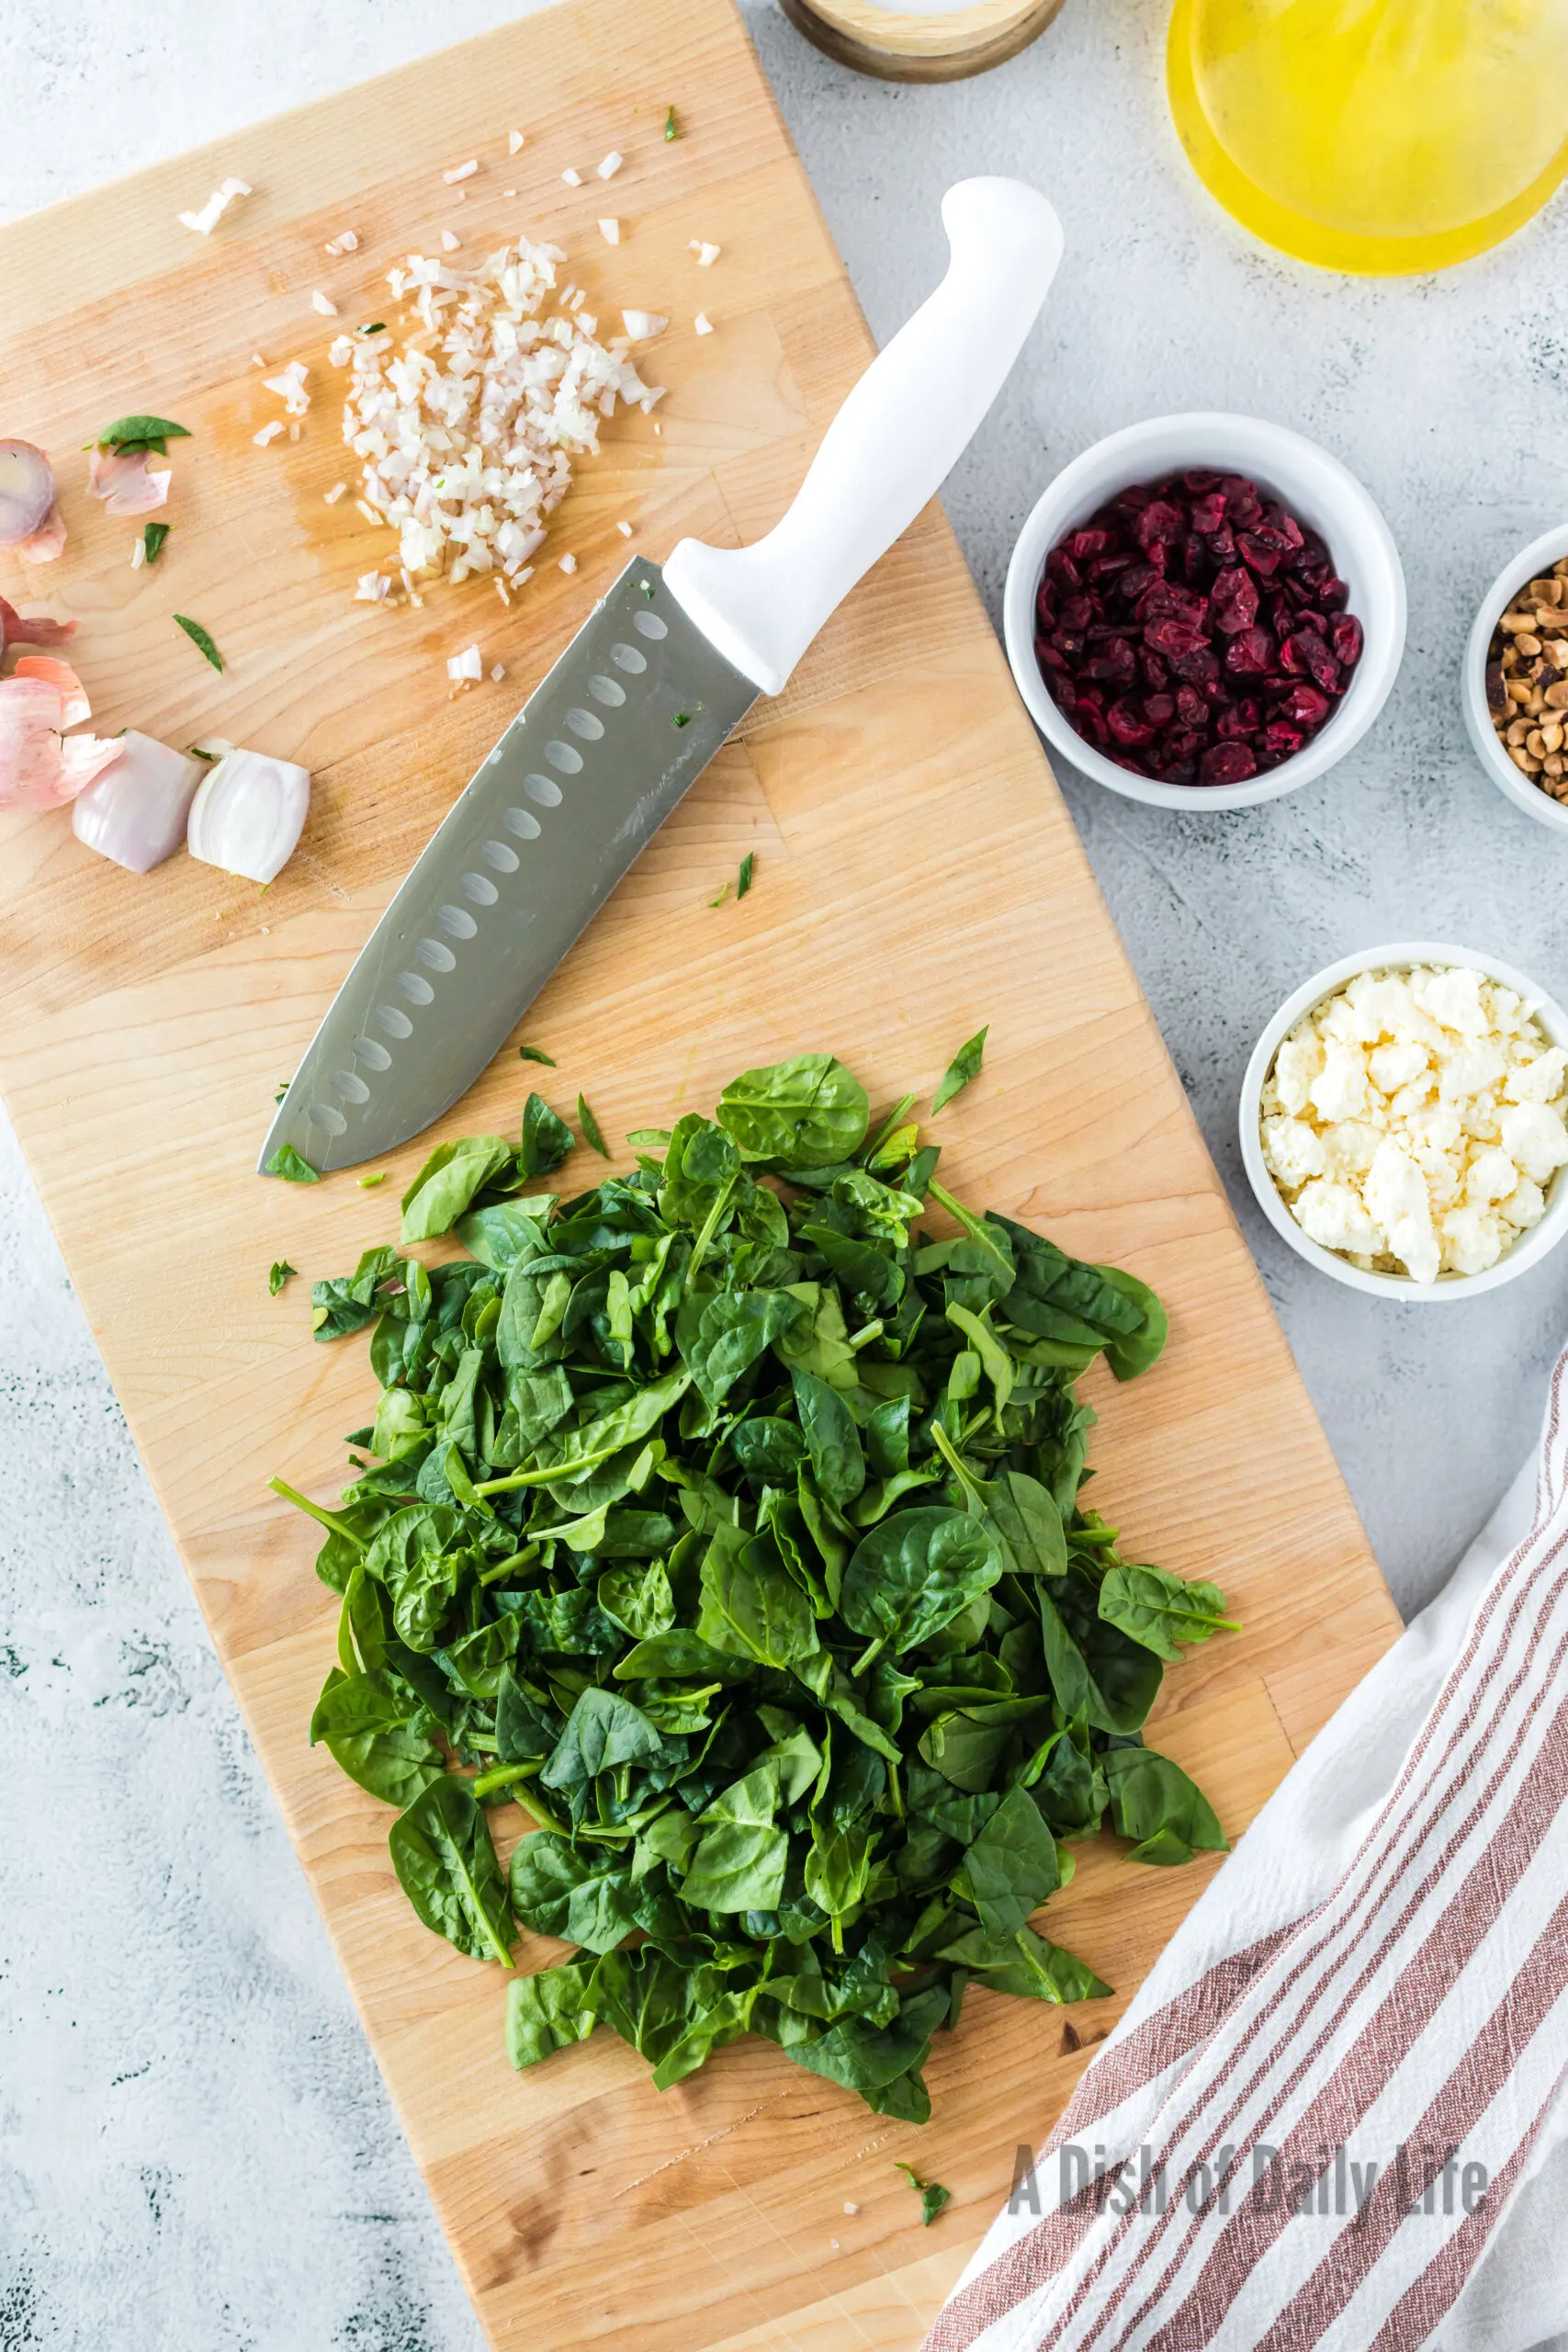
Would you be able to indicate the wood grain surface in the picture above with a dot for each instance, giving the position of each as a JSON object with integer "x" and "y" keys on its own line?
{"x": 917, "y": 875}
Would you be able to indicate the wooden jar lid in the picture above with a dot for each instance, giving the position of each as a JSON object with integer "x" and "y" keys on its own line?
{"x": 901, "y": 46}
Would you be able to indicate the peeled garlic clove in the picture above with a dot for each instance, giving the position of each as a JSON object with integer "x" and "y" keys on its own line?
{"x": 136, "y": 811}
{"x": 248, "y": 814}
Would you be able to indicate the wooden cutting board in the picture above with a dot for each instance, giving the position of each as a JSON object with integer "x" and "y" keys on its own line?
{"x": 917, "y": 875}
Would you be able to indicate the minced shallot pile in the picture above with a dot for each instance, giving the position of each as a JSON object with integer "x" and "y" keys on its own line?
{"x": 466, "y": 429}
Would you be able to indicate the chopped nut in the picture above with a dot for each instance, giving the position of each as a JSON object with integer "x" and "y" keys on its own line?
{"x": 1527, "y": 680}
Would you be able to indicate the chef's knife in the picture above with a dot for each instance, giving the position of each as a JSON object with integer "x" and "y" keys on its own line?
{"x": 665, "y": 668}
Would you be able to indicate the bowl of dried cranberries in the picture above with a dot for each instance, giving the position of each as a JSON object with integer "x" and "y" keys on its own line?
{"x": 1205, "y": 611}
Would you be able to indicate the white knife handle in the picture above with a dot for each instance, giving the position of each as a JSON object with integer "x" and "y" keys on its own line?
{"x": 890, "y": 447}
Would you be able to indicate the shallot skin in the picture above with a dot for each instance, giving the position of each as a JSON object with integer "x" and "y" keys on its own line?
{"x": 31, "y": 629}
{"x": 136, "y": 811}
{"x": 126, "y": 482}
{"x": 40, "y": 766}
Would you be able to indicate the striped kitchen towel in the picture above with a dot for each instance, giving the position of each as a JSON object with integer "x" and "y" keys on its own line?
{"x": 1334, "y": 2116}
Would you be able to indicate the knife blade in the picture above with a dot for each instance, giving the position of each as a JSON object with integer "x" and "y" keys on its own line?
{"x": 587, "y": 772}
{"x": 663, "y": 669}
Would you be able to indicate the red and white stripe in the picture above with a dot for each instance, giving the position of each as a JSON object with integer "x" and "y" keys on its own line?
{"x": 1404, "y": 1981}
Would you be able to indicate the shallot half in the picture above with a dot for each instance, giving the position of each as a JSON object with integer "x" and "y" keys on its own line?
{"x": 248, "y": 813}
{"x": 29, "y": 518}
{"x": 136, "y": 810}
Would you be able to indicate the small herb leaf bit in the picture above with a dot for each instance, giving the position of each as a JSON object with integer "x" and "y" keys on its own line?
{"x": 535, "y": 1054}
{"x": 288, "y": 1164}
{"x": 748, "y": 867}
{"x": 200, "y": 639}
{"x": 731, "y": 1526}
{"x": 281, "y": 1272}
{"x": 672, "y": 130}
{"x": 964, "y": 1066}
{"x": 153, "y": 538}
{"x": 931, "y": 2193}
{"x": 589, "y": 1126}
{"x": 152, "y": 432}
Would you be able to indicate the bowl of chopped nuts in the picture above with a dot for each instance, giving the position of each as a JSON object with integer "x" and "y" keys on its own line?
{"x": 1404, "y": 1121}
{"x": 1516, "y": 680}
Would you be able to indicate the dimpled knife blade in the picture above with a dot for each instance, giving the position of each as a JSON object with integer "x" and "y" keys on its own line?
{"x": 585, "y": 775}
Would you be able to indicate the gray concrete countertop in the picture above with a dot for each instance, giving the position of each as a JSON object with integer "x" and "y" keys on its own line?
{"x": 195, "y": 2151}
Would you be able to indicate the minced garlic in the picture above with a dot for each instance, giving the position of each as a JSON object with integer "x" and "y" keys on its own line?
{"x": 1412, "y": 1120}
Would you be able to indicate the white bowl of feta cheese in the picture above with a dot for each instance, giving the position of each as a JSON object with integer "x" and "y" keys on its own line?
{"x": 1404, "y": 1121}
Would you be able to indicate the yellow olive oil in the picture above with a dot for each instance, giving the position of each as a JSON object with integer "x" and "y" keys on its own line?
{"x": 1382, "y": 136}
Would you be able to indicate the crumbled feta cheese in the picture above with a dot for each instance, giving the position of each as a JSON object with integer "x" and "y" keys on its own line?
{"x": 611, "y": 231}
{"x": 514, "y": 142}
{"x": 1413, "y": 1119}
{"x": 703, "y": 323}
{"x": 610, "y": 164}
{"x": 218, "y": 203}
{"x": 1339, "y": 1090}
{"x": 1332, "y": 1214}
{"x": 1393, "y": 1065}
{"x": 461, "y": 172}
{"x": 1533, "y": 1134}
{"x": 466, "y": 664}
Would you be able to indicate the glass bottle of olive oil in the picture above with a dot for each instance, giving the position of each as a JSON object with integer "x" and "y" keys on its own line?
{"x": 1383, "y": 136}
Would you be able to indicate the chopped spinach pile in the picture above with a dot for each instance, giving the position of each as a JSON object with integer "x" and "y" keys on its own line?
{"x": 733, "y": 1528}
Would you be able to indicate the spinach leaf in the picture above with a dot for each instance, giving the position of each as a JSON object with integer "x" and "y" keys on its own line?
{"x": 1153, "y": 1803}
{"x": 546, "y": 1139}
{"x": 585, "y": 1895}
{"x": 912, "y": 1575}
{"x": 808, "y": 1113}
{"x": 751, "y": 1606}
{"x": 1161, "y": 1611}
{"x": 378, "y": 1734}
{"x": 1011, "y": 1867}
{"x": 602, "y": 1730}
{"x": 449, "y": 1183}
{"x": 549, "y": 2012}
{"x": 445, "y": 1864}
{"x": 837, "y": 1461}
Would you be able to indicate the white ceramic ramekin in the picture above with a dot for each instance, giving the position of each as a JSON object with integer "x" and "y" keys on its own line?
{"x": 1316, "y": 489}
{"x": 1527, "y": 1252}
{"x": 1528, "y": 564}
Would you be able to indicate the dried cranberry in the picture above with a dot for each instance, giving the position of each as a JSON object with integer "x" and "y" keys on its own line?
{"x": 1060, "y": 567}
{"x": 1157, "y": 674}
{"x": 1159, "y": 709}
{"x": 1165, "y": 600}
{"x": 1234, "y": 601}
{"x": 1240, "y": 721}
{"x": 1046, "y": 654}
{"x": 1277, "y": 741}
{"x": 1257, "y": 552}
{"x": 1126, "y": 726}
{"x": 1117, "y": 666}
{"x": 1208, "y": 513}
{"x": 1334, "y": 596}
{"x": 1191, "y": 708}
{"x": 1085, "y": 545}
{"x": 1226, "y": 764}
{"x": 1173, "y": 638}
{"x": 1306, "y": 705}
{"x": 1198, "y": 482}
{"x": 1159, "y": 523}
{"x": 1199, "y": 667}
{"x": 1249, "y": 652}
{"x": 1222, "y": 545}
{"x": 1347, "y": 640}
{"x": 1321, "y": 666}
